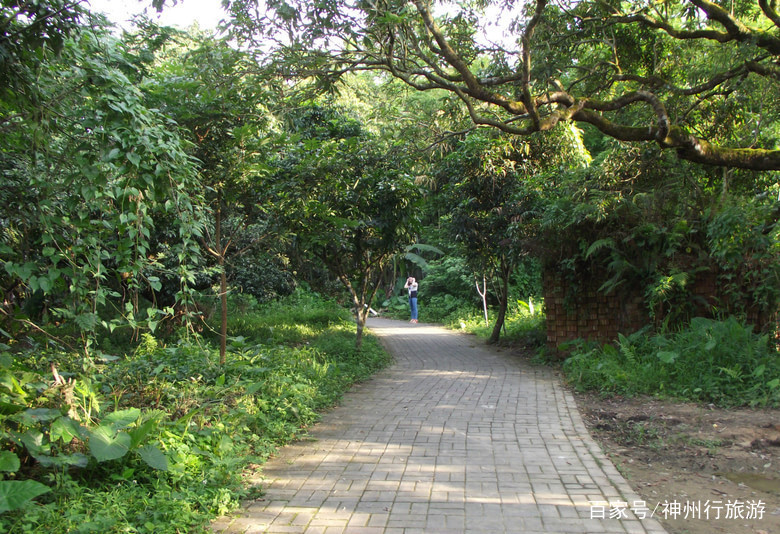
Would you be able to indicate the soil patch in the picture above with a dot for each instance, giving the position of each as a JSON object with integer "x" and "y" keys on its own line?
{"x": 726, "y": 462}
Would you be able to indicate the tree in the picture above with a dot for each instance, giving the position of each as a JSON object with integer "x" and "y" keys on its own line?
{"x": 644, "y": 226}
{"x": 347, "y": 203}
{"x": 208, "y": 88}
{"x": 483, "y": 184}
{"x": 493, "y": 185}
{"x": 689, "y": 75}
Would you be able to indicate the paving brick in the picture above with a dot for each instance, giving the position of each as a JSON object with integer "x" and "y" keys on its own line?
{"x": 456, "y": 437}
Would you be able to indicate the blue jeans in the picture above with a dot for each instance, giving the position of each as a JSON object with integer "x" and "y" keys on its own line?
{"x": 413, "y": 306}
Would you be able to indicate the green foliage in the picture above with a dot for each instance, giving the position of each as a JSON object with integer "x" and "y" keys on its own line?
{"x": 347, "y": 203}
{"x": 15, "y": 494}
{"x": 493, "y": 189}
{"x": 261, "y": 275}
{"x": 744, "y": 239}
{"x": 90, "y": 170}
{"x": 450, "y": 276}
{"x": 449, "y": 294}
{"x": 156, "y": 441}
{"x": 719, "y": 361}
{"x": 521, "y": 327}
{"x": 444, "y": 308}
{"x": 633, "y": 222}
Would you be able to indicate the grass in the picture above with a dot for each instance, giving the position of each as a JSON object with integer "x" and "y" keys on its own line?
{"x": 157, "y": 440}
{"x": 722, "y": 362}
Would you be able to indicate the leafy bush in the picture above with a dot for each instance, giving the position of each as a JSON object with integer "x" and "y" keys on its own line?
{"x": 260, "y": 274}
{"x": 718, "y": 361}
{"x": 444, "y": 309}
{"x": 744, "y": 239}
{"x": 450, "y": 276}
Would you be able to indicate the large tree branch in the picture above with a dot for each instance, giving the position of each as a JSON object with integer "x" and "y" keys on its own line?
{"x": 698, "y": 150}
{"x": 472, "y": 86}
{"x": 735, "y": 30}
{"x": 526, "y": 62}
{"x": 770, "y": 12}
{"x": 769, "y": 71}
{"x": 688, "y": 147}
{"x": 520, "y": 103}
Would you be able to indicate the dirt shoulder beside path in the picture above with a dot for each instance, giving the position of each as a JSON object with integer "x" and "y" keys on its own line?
{"x": 727, "y": 462}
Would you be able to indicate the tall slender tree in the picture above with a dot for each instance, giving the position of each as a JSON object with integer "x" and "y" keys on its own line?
{"x": 348, "y": 202}
{"x": 207, "y": 87}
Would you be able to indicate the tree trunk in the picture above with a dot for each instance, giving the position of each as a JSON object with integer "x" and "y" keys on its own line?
{"x": 361, "y": 315}
{"x": 222, "y": 283}
{"x": 503, "y": 302}
{"x": 483, "y": 294}
{"x": 223, "y": 299}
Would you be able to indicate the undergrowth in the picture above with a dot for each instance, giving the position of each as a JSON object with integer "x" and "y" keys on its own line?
{"x": 715, "y": 361}
{"x": 522, "y": 326}
{"x": 156, "y": 441}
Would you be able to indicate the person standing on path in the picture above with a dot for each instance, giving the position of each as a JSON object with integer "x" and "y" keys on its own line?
{"x": 411, "y": 285}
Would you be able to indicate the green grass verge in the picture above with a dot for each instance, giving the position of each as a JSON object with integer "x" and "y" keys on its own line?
{"x": 156, "y": 442}
{"x": 720, "y": 362}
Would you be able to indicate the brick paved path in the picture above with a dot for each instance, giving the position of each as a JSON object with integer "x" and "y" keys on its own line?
{"x": 455, "y": 437}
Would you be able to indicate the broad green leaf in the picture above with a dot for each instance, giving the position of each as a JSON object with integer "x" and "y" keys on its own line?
{"x": 7, "y": 408}
{"x": 65, "y": 460}
{"x": 154, "y": 282}
{"x": 139, "y": 433}
{"x": 122, "y": 418}
{"x": 225, "y": 444}
{"x": 154, "y": 457}
{"x": 44, "y": 284}
{"x": 64, "y": 429}
{"x": 14, "y": 494}
{"x": 134, "y": 158}
{"x": 105, "y": 446}
{"x": 37, "y": 415}
{"x": 34, "y": 441}
{"x": 9, "y": 462}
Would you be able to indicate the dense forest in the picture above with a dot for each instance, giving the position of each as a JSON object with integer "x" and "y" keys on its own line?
{"x": 195, "y": 227}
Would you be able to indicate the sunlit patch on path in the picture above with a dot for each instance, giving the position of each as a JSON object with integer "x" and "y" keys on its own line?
{"x": 455, "y": 437}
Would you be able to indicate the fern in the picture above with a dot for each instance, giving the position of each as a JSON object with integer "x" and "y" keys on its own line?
{"x": 599, "y": 244}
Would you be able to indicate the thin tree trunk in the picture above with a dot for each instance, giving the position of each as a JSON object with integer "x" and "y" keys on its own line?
{"x": 223, "y": 299}
{"x": 222, "y": 284}
{"x": 483, "y": 294}
{"x": 503, "y": 302}
{"x": 360, "y": 317}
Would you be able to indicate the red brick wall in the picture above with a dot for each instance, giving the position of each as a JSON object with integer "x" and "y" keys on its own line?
{"x": 587, "y": 313}
{"x": 582, "y": 311}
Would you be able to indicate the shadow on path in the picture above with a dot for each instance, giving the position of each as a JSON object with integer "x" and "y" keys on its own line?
{"x": 455, "y": 437}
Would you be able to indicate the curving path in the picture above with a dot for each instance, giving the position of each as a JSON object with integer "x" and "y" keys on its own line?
{"x": 455, "y": 437}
